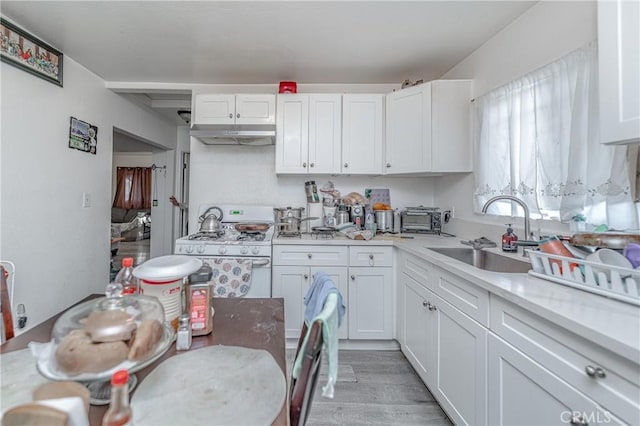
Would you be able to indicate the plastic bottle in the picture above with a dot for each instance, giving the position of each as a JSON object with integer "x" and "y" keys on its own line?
{"x": 119, "y": 412}
{"x": 126, "y": 279}
{"x": 508, "y": 240}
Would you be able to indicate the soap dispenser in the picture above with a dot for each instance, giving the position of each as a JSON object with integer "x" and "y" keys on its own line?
{"x": 509, "y": 239}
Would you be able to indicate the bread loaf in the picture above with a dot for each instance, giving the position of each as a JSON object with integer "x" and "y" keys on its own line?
{"x": 144, "y": 340}
{"x": 110, "y": 326}
{"x": 77, "y": 354}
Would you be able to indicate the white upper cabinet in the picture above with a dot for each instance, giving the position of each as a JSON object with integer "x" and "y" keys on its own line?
{"x": 362, "y": 133}
{"x": 235, "y": 109}
{"x": 619, "y": 70}
{"x": 292, "y": 134}
{"x": 325, "y": 133}
{"x": 408, "y": 142}
{"x": 428, "y": 128}
{"x": 308, "y": 132}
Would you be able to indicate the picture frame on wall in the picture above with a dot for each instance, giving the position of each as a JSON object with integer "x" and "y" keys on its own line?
{"x": 83, "y": 136}
{"x": 30, "y": 54}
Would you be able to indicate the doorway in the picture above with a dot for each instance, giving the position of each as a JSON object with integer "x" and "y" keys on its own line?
{"x": 153, "y": 223}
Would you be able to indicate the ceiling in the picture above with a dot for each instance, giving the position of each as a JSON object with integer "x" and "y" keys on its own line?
{"x": 242, "y": 42}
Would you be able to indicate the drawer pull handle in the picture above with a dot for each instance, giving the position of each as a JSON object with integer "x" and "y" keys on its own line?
{"x": 432, "y": 307}
{"x": 353, "y": 277}
{"x": 304, "y": 165}
{"x": 306, "y": 277}
{"x": 577, "y": 420}
{"x": 426, "y": 304}
{"x": 370, "y": 260}
{"x": 230, "y": 115}
{"x": 312, "y": 164}
{"x": 595, "y": 372}
{"x": 309, "y": 255}
{"x": 238, "y": 115}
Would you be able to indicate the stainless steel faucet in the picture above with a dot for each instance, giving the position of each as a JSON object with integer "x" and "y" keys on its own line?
{"x": 527, "y": 221}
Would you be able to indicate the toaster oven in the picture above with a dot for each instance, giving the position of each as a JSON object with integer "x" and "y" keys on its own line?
{"x": 421, "y": 219}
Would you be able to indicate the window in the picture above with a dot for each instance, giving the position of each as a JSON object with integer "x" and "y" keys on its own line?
{"x": 133, "y": 188}
{"x": 537, "y": 139}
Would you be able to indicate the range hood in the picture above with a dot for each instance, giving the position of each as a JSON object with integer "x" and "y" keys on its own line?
{"x": 236, "y": 134}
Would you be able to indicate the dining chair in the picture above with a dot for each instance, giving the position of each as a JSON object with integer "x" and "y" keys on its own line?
{"x": 302, "y": 388}
{"x": 5, "y": 305}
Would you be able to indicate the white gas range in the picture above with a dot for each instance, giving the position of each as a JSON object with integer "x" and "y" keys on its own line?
{"x": 232, "y": 244}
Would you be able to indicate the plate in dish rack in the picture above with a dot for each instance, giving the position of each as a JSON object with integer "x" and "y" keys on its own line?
{"x": 45, "y": 363}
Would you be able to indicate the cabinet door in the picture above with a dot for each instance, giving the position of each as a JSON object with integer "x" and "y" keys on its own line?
{"x": 339, "y": 277}
{"x": 255, "y": 109}
{"x": 215, "y": 109}
{"x": 325, "y": 133}
{"x": 370, "y": 303}
{"x": 524, "y": 393}
{"x": 291, "y": 283}
{"x": 408, "y": 135}
{"x": 459, "y": 381}
{"x": 619, "y": 59}
{"x": 417, "y": 326}
{"x": 362, "y": 128}
{"x": 292, "y": 134}
{"x": 451, "y": 148}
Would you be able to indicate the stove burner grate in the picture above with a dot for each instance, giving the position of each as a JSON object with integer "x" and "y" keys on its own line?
{"x": 205, "y": 236}
{"x": 251, "y": 236}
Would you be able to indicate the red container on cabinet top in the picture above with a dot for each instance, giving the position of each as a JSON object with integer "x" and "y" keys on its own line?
{"x": 288, "y": 87}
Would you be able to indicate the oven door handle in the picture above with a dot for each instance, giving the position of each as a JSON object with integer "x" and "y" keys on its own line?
{"x": 262, "y": 262}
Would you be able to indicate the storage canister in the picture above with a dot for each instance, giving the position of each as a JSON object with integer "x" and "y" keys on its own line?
{"x": 163, "y": 278}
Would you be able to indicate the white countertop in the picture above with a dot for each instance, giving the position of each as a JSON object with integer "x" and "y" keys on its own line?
{"x": 611, "y": 324}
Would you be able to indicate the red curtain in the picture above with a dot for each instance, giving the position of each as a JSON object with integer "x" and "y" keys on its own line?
{"x": 133, "y": 188}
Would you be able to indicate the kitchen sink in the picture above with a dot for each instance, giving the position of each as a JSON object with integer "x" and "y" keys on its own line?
{"x": 485, "y": 260}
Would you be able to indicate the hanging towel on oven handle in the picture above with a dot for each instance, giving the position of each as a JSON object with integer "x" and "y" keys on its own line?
{"x": 230, "y": 277}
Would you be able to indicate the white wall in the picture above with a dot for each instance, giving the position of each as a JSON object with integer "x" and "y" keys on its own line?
{"x": 541, "y": 35}
{"x": 183, "y": 145}
{"x": 61, "y": 249}
{"x": 127, "y": 159}
{"x": 241, "y": 174}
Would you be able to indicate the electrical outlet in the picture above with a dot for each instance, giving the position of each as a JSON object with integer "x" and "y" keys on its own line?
{"x": 86, "y": 199}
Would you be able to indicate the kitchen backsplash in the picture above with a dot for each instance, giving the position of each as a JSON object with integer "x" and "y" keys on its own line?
{"x": 236, "y": 174}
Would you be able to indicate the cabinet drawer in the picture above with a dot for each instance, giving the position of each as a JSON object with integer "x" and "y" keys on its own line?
{"x": 370, "y": 256}
{"x": 570, "y": 356}
{"x": 296, "y": 255}
{"x": 466, "y": 296}
{"x": 418, "y": 269}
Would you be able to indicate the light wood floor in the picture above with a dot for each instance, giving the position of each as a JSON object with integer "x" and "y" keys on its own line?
{"x": 374, "y": 387}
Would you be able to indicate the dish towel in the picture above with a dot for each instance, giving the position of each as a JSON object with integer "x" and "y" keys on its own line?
{"x": 324, "y": 303}
{"x": 231, "y": 277}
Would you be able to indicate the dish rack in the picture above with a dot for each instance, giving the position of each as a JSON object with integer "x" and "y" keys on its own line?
{"x": 606, "y": 280}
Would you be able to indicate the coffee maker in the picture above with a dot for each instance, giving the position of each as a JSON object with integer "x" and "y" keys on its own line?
{"x": 357, "y": 215}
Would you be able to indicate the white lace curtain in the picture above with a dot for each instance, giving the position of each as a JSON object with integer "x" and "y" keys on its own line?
{"x": 537, "y": 138}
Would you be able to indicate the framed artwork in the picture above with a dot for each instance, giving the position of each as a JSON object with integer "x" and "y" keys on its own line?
{"x": 83, "y": 136}
{"x": 22, "y": 50}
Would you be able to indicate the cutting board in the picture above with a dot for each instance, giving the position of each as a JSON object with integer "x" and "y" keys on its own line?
{"x": 215, "y": 385}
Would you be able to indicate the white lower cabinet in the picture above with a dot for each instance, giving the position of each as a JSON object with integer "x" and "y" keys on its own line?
{"x": 448, "y": 350}
{"x": 367, "y": 290}
{"x": 370, "y": 303}
{"x": 292, "y": 283}
{"x": 524, "y": 393}
{"x": 459, "y": 379}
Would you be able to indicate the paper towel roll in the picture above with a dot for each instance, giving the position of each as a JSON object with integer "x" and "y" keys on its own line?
{"x": 314, "y": 210}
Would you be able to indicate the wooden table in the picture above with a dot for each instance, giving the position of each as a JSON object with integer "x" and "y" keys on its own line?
{"x": 233, "y": 325}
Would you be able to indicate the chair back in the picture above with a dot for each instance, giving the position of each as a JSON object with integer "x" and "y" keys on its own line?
{"x": 302, "y": 388}
{"x": 5, "y": 303}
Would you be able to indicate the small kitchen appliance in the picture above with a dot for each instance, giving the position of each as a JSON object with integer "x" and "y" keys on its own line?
{"x": 421, "y": 219}
{"x": 357, "y": 215}
{"x": 237, "y": 242}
